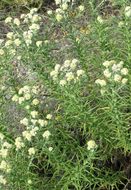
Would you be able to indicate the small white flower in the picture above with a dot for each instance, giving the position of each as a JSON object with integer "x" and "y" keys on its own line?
{"x": 34, "y": 121}
{"x": 107, "y": 73}
{"x": 24, "y": 121}
{"x": 21, "y": 100}
{"x": 22, "y": 16}
{"x": 8, "y": 20}
{"x": 49, "y": 12}
{"x": 17, "y": 21}
{"x": 67, "y": 63}
{"x": 4, "y": 153}
{"x": 4, "y": 166}
{"x": 1, "y": 136}
{"x": 26, "y": 19}
{"x": 73, "y": 65}
{"x": 6, "y": 145}
{"x": 64, "y": 6}
{"x": 27, "y": 135}
{"x": 2, "y": 180}
{"x": 101, "y": 82}
{"x": 106, "y": 64}
{"x": 28, "y": 42}
{"x": 97, "y": 81}
{"x": 63, "y": 82}
{"x": 29, "y": 181}
{"x": 34, "y": 10}
{"x": 34, "y": 27}
{"x": 120, "y": 24}
{"x": 59, "y": 17}
{"x": 33, "y": 132}
{"x": 46, "y": 41}
{"x": 115, "y": 68}
{"x": 120, "y": 64}
{"x": 27, "y": 96}
{"x": 10, "y": 35}
{"x": 75, "y": 61}
{"x": 17, "y": 42}
{"x": 35, "y": 102}
{"x": 80, "y": 72}
{"x": 26, "y": 89}
{"x": 124, "y": 71}
{"x": 58, "y": 2}
{"x": 128, "y": 11}
{"x": 91, "y": 145}
{"x": 38, "y": 43}
{"x": 54, "y": 73}
{"x": 19, "y": 58}
{"x": 81, "y": 8}
{"x": 35, "y": 18}
{"x": 27, "y": 107}
{"x": 57, "y": 67}
{"x": 1, "y": 41}
{"x": 69, "y": 76}
{"x": 28, "y": 35}
{"x": 35, "y": 89}
{"x": 31, "y": 151}
{"x": 49, "y": 116}
{"x": 34, "y": 114}
{"x": 100, "y": 20}
{"x": 102, "y": 91}
{"x": 124, "y": 80}
{"x": 15, "y": 98}
{"x": 8, "y": 43}
{"x": 2, "y": 52}
{"x": 18, "y": 143}
{"x": 21, "y": 90}
{"x": 46, "y": 134}
{"x": 42, "y": 122}
{"x": 59, "y": 11}
{"x": 117, "y": 78}
{"x": 50, "y": 149}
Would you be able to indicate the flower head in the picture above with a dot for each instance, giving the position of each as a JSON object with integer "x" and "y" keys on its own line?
{"x": 59, "y": 17}
{"x": 24, "y": 121}
{"x": 2, "y": 52}
{"x": 31, "y": 151}
{"x": 8, "y": 20}
{"x": 34, "y": 114}
{"x": 128, "y": 11}
{"x": 91, "y": 145}
{"x": 17, "y": 21}
{"x": 124, "y": 71}
{"x": 38, "y": 43}
{"x": 81, "y": 8}
{"x": 117, "y": 78}
{"x": 46, "y": 134}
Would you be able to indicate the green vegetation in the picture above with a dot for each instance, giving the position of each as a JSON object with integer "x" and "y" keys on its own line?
{"x": 65, "y": 98}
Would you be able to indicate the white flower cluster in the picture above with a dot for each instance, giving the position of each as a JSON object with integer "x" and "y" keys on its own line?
{"x": 91, "y": 145}
{"x": 4, "y": 152}
{"x": 60, "y": 12}
{"x": 15, "y": 38}
{"x": 68, "y": 72}
{"x": 59, "y": 2}
{"x": 113, "y": 72}
{"x": 26, "y": 93}
{"x": 128, "y": 11}
{"x": 33, "y": 123}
